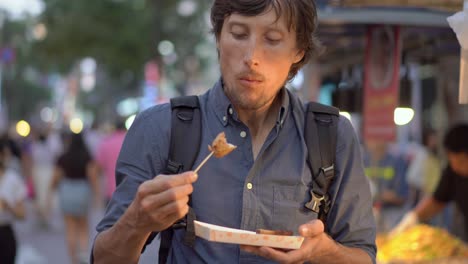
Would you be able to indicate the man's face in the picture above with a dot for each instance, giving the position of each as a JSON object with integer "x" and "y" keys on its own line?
{"x": 256, "y": 54}
{"x": 459, "y": 162}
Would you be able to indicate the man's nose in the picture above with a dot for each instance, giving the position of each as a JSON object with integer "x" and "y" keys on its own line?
{"x": 252, "y": 54}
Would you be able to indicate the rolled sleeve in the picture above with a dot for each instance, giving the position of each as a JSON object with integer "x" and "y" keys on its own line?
{"x": 140, "y": 159}
{"x": 351, "y": 221}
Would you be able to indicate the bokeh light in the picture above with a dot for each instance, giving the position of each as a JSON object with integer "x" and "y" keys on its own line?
{"x": 129, "y": 121}
{"x": 76, "y": 125}
{"x": 346, "y": 114}
{"x": 403, "y": 116}
{"x": 165, "y": 47}
{"x": 23, "y": 128}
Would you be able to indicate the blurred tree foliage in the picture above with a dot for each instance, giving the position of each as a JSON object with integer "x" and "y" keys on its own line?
{"x": 22, "y": 89}
{"x": 121, "y": 35}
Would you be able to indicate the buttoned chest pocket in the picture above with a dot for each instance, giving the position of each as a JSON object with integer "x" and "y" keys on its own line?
{"x": 288, "y": 207}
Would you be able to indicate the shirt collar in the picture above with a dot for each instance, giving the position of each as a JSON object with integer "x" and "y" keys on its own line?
{"x": 220, "y": 102}
{"x": 223, "y": 107}
{"x": 283, "y": 112}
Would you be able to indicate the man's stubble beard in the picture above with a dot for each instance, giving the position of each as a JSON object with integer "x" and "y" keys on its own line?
{"x": 237, "y": 101}
{"x": 241, "y": 102}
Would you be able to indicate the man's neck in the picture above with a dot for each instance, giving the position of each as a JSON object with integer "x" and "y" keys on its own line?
{"x": 260, "y": 122}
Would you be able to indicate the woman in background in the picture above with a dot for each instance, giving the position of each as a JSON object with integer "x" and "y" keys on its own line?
{"x": 44, "y": 149}
{"x": 12, "y": 205}
{"x": 75, "y": 176}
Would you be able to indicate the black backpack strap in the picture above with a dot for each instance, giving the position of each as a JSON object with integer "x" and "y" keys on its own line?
{"x": 185, "y": 131}
{"x": 320, "y": 134}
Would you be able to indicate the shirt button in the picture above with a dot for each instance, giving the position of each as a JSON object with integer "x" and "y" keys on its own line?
{"x": 243, "y": 134}
{"x": 224, "y": 118}
{"x": 249, "y": 186}
{"x": 230, "y": 110}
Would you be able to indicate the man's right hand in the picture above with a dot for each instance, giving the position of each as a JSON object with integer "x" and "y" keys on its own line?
{"x": 160, "y": 202}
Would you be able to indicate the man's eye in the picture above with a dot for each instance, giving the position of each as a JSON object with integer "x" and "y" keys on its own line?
{"x": 273, "y": 41}
{"x": 239, "y": 35}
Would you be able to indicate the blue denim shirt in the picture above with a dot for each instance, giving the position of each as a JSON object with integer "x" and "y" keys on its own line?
{"x": 240, "y": 192}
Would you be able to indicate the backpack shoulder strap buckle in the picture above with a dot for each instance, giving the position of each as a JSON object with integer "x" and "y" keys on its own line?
{"x": 328, "y": 171}
{"x": 315, "y": 201}
{"x": 174, "y": 167}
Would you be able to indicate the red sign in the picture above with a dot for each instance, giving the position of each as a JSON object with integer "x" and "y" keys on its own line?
{"x": 381, "y": 82}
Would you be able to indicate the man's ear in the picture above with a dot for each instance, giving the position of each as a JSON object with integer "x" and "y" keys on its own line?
{"x": 299, "y": 56}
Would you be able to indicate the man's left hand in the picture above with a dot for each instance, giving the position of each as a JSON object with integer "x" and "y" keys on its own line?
{"x": 316, "y": 244}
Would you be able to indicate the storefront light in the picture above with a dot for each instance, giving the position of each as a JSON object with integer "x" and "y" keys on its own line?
{"x": 403, "y": 115}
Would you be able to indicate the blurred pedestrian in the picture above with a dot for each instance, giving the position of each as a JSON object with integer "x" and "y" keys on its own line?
{"x": 12, "y": 206}
{"x": 107, "y": 154}
{"x": 386, "y": 172}
{"x": 76, "y": 179}
{"x": 44, "y": 151}
{"x": 424, "y": 169}
{"x": 93, "y": 137}
{"x": 453, "y": 185}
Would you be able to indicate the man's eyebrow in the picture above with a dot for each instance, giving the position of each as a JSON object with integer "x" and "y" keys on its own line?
{"x": 236, "y": 23}
{"x": 272, "y": 27}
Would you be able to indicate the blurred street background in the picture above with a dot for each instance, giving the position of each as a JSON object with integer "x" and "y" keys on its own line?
{"x": 89, "y": 67}
{"x": 44, "y": 246}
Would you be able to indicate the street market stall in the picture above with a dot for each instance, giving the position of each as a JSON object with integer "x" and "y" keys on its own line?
{"x": 421, "y": 244}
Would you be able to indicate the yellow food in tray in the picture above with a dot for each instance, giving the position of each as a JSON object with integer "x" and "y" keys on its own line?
{"x": 420, "y": 243}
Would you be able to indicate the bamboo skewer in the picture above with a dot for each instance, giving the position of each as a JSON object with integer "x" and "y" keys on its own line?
{"x": 204, "y": 161}
{"x": 220, "y": 148}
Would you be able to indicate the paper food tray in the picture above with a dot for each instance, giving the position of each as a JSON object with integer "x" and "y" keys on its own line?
{"x": 223, "y": 234}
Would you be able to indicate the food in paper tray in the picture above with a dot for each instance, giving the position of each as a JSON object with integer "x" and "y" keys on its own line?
{"x": 274, "y": 232}
{"x": 420, "y": 244}
{"x": 223, "y": 234}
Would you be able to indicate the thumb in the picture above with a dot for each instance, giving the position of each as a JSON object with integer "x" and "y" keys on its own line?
{"x": 312, "y": 228}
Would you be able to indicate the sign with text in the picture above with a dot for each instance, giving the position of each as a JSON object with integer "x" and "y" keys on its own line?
{"x": 381, "y": 82}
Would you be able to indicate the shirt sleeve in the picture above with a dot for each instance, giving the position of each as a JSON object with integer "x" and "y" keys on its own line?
{"x": 444, "y": 190}
{"x": 140, "y": 159}
{"x": 351, "y": 221}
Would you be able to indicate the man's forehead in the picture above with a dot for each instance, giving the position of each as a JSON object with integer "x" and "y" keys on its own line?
{"x": 270, "y": 18}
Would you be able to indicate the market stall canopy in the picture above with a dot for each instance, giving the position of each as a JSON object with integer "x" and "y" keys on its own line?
{"x": 443, "y": 5}
{"x": 398, "y": 12}
{"x": 426, "y": 32}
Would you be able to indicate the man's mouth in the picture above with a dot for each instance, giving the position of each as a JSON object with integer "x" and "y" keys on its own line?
{"x": 249, "y": 78}
{"x": 249, "y": 82}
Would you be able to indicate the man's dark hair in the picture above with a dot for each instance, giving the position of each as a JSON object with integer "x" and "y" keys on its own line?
{"x": 456, "y": 139}
{"x": 300, "y": 15}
